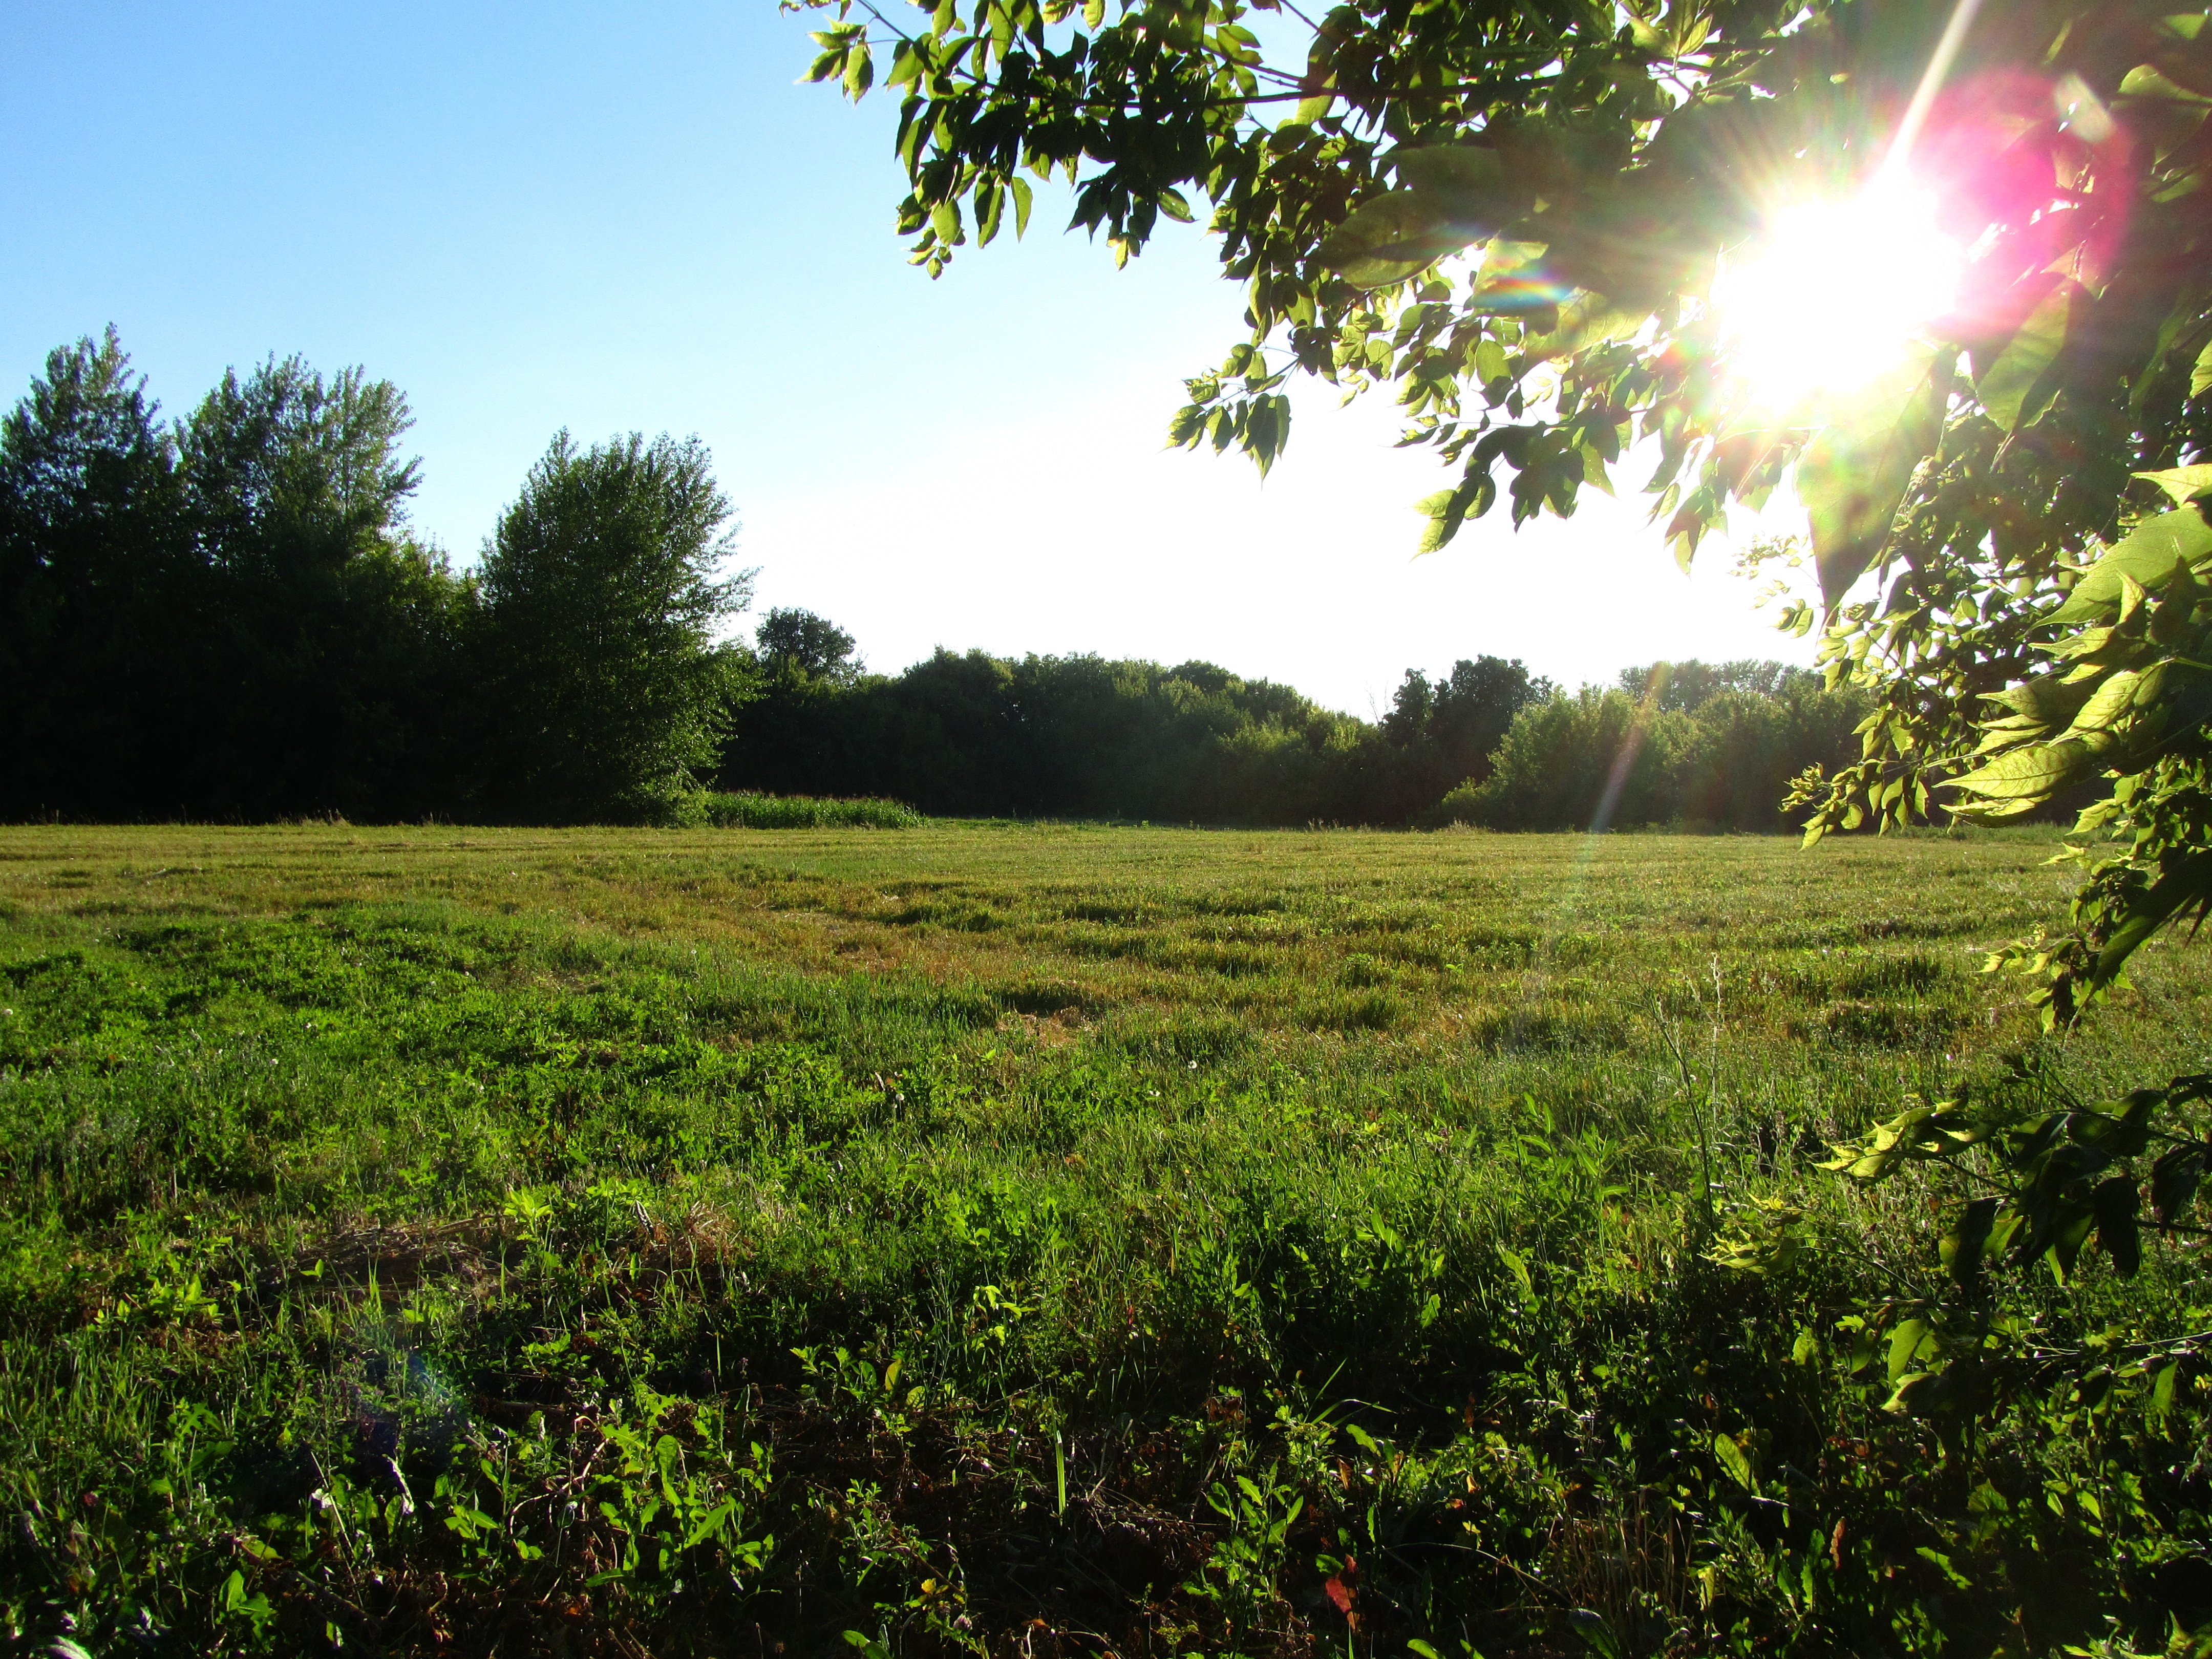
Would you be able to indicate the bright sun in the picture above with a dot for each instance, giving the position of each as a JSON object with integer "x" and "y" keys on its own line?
{"x": 1835, "y": 292}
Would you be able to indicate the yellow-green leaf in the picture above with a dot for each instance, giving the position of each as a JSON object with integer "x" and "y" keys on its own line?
{"x": 2005, "y": 386}
{"x": 1852, "y": 476}
{"x": 2183, "y": 484}
{"x": 2148, "y": 555}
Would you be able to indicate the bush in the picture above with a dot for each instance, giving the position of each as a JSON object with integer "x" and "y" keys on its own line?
{"x": 747, "y": 811}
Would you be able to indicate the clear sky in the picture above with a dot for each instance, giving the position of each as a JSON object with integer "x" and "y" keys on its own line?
{"x": 608, "y": 218}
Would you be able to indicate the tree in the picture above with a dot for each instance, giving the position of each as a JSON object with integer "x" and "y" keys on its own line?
{"x": 97, "y": 592}
{"x": 1445, "y": 732}
{"x": 798, "y": 643}
{"x": 603, "y": 596}
{"x": 328, "y": 672}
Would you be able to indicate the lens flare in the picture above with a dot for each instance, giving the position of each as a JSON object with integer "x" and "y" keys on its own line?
{"x": 1835, "y": 292}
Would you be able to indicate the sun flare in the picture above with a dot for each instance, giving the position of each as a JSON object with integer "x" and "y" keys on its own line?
{"x": 1835, "y": 292}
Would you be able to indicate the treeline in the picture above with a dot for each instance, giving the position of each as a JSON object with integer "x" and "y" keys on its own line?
{"x": 1084, "y": 736}
{"x": 227, "y": 617}
{"x": 1689, "y": 746}
{"x": 1692, "y": 744}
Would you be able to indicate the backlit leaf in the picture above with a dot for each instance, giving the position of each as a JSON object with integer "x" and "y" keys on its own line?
{"x": 1853, "y": 476}
{"x": 2148, "y": 555}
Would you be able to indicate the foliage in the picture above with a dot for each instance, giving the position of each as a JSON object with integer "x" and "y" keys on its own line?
{"x": 975, "y": 735}
{"x": 1080, "y": 737}
{"x": 329, "y": 639}
{"x": 226, "y": 617}
{"x": 675, "y": 1241}
{"x": 601, "y": 595}
{"x": 97, "y": 595}
{"x": 1447, "y": 732}
{"x": 1676, "y": 749}
{"x": 798, "y": 645}
{"x": 743, "y": 811}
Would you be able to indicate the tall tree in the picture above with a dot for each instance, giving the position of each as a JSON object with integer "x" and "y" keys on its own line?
{"x": 603, "y": 596}
{"x": 793, "y": 643}
{"x": 99, "y": 594}
{"x": 329, "y": 660}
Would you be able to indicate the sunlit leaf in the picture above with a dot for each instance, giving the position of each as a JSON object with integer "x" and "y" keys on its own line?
{"x": 2004, "y": 388}
{"x": 2149, "y": 555}
{"x": 1855, "y": 473}
{"x": 1390, "y": 238}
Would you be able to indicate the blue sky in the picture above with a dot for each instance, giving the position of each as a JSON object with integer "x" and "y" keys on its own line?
{"x": 613, "y": 218}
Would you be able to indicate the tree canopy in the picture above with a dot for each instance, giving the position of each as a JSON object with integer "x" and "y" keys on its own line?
{"x": 602, "y": 593}
{"x": 1522, "y": 221}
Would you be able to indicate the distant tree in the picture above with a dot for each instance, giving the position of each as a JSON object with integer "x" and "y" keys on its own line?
{"x": 798, "y": 643}
{"x": 1443, "y": 733}
{"x": 1688, "y": 686}
{"x": 1412, "y": 707}
{"x": 327, "y": 674}
{"x": 1623, "y": 756}
{"x": 603, "y": 596}
{"x": 99, "y": 589}
{"x": 1475, "y": 705}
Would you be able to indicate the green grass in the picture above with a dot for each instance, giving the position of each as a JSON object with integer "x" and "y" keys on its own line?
{"x": 745, "y": 810}
{"x": 1032, "y": 1239}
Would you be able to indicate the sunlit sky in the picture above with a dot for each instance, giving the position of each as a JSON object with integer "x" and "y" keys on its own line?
{"x": 615, "y": 218}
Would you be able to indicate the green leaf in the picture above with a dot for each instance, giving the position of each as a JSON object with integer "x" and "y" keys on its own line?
{"x": 1517, "y": 1265}
{"x": 2115, "y": 1202}
{"x": 1463, "y": 182}
{"x": 2174, "y": 1181}
{"x": 1853, "y": 476}
{"x": 2200, "y": 378}
{"x": 2183, "y": 484}
{"x": 1906, "y": 1344}
{"x": 1448, "y": 509}
{"x": 2004, "y": 388}
{"x": 2148, "y": 555}
{"x": 1967, "y": 1239}
{"x": 1596, "y": 1632}
{"x": 1733, "y": 1458}
{"x": 1391, "y": 237}
{"x": 860, "y": 71}
{"x": 2025, "y": 777}
{"x": 2072, "y": 1222}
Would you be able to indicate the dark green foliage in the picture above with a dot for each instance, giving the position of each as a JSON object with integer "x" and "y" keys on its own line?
{"x": 1687, "y": 749}
{"x": 1067, "y": 737}
{"x": 605, "y": 691}
{"x": 1081, "y": 737}
{"x": 330, "y": 649}
{"x": 1447, "y": 733}
{"x": 742, "y": 811}
{"x": 226, "y": 617}
{"x": 798, "y": 645}
{"x": 101, "y": 590}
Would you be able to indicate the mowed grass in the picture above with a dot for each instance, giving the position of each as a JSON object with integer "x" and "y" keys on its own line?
{"x": 1020, "y": 1239}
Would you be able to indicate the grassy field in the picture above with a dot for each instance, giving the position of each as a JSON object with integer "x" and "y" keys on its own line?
{"x": 1033, "y": 1239}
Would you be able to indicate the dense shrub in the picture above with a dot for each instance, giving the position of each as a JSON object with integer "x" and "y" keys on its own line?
{"x": 1600, "y": 758}
{"x": 751, "y": 811}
